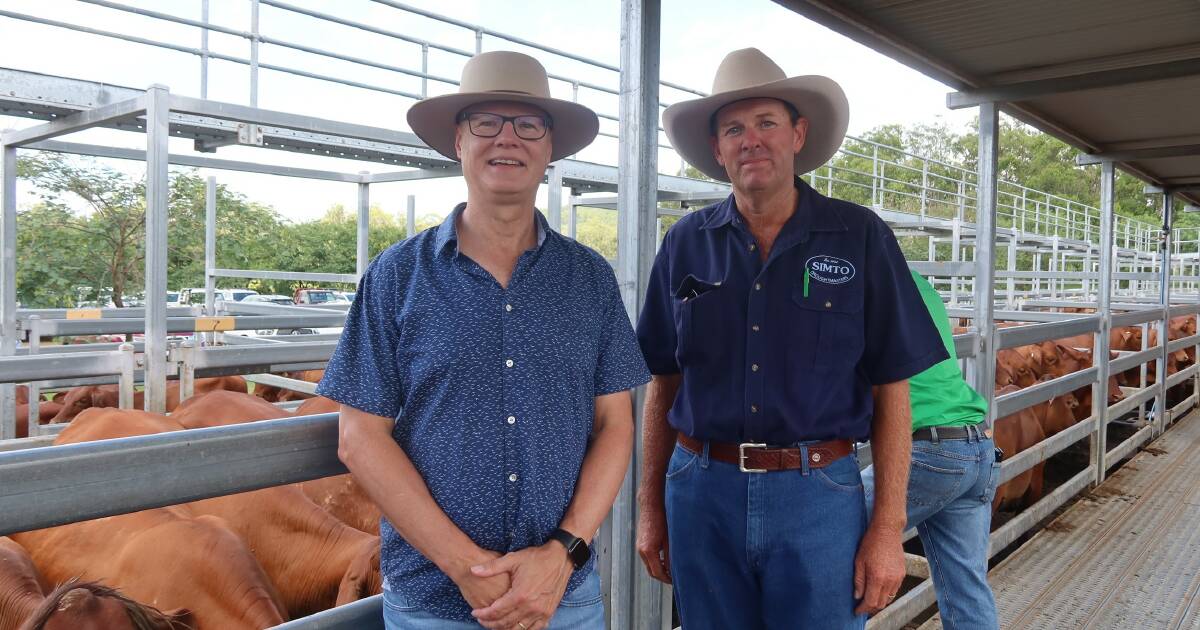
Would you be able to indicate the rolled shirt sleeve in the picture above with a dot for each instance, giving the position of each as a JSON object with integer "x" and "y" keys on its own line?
{"x": 901, "y": 339}
{"x": 363, "y": 372}
{"x": 656, "y": 326}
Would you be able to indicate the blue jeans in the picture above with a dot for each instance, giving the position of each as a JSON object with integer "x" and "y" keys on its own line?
{"x": 581, "y": 609}
{"x": 764, "y": 550}
{"x": 950, "y": 488}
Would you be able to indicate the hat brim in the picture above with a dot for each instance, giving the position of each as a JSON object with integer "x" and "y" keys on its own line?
{"x": 817, "y": 98}
{"x": 432, "y": 119}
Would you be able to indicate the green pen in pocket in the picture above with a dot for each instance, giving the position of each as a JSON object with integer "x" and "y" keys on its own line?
{"x": 806, "y": 281}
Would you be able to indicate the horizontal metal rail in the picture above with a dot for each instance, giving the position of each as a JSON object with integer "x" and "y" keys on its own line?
{"x": 1032, "y": 515}
{"x": 364, "y": 614}
{"x": 1130, "y": 445}
{"x": 1133, "y": 318}
{"x": 59, "y": 366}
{"x": 261, "y": 355}
{"x": 60, "y": 327}
{"x": 46, "y": 487}
{"x": 1014, "y": 336}
{"x": 1014, "y": 465}
{"x": 1133, "y": 359}
{"x": 274, "y": 380}
{"x": 966, "y": 345}
{"x": 345, "y": 278}
{"x": 1041, "y": 392}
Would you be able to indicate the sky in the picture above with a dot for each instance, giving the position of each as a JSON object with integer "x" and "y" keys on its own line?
{"x": 696, "y": 34}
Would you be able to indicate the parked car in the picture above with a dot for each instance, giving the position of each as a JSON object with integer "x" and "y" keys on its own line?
{"x": 318, "y": 296}
{"x": 194, "y": 295}
{"x": 282, "y": 300}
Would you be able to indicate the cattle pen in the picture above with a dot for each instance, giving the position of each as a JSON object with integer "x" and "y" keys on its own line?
{"x": 1090, "y": 271}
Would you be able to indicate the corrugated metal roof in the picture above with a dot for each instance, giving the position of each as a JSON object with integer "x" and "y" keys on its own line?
{"x": 978, "y": 44}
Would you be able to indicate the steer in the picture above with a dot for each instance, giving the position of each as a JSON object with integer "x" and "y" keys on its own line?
{"x": 21, "y": 586}
{"x": 1015, "y": 433}
{"x": 80, "y": 398}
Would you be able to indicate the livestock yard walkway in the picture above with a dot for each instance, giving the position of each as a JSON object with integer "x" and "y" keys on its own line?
{"x": 1126, "y": 555}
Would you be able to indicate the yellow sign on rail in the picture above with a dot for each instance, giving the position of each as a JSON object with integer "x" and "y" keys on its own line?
{"x": 213, "y": 324}
{"x": 83, "y": 313}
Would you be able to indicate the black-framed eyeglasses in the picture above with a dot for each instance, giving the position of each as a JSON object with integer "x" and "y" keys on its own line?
{"x": 489, "y": 125}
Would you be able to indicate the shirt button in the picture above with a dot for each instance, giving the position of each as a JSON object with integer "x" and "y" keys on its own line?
{"x": 753, "y": 408}
{"x": 508, "y": 363}
{"x": 512, "y": 477}
{"x": 828, "y": 304}
{"x": 757, "y": 286}
{"x": 754, "y": 367}
{"x": 508, "y": 307}
{"x": 752, "y": 246}
{"x": 754, "y": 328}
{"x": 512, "y": 419}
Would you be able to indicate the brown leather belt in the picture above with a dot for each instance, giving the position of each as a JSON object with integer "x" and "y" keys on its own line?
{"x": 762, "y": 458}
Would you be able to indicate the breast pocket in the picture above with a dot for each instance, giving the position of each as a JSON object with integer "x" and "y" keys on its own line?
{"x": 827, "y": 327}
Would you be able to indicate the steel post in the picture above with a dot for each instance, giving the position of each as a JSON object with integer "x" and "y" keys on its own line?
{"x": 1011, "y": 299}
{"x": 210, "y": 244}
{"x": 410, "y": 216}
{"x": 204, "y": 50}
{"x": 985, "y": 239}
{"x": 635, "y": 599}
{"x": 363, "y": 237}
{"x": 955, "y": 256}
{"x": 1162, "y": 414}
{"x": 554, "y": 197}
{"x": 125, "y": 381}
{"x": 35, "y": 343}
{"x": 157, "y": 187}
{"x": 1099, "y": 441}
{"x": 8, "y": 283}
{"x": 254, "y": 43}
{"x": 187, "y": 371}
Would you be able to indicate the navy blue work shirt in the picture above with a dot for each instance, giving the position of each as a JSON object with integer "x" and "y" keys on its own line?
{"x": 787, "y": 350}
{"x": 493, "y": 389}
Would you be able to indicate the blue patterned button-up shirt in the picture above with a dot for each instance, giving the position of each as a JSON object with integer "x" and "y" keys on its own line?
{"x": 493, "y": 389}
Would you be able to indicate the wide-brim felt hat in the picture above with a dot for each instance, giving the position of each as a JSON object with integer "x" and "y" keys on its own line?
{"x": 509, "y": 77}
{"x": 748, "y": 73}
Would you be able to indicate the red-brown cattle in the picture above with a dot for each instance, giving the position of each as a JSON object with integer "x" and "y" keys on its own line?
{"x": 1018, "y": 365}
{"x": 22, "y": 393}
{"x": 319, "y": 404}
{"x": 314, "y": 559}
{"x": 1057, "y": 414}
{"x": 21, "y": 586}
{"x": 46, "y": 412}
{"x": 221, "y": 408}
{"x": 168, "y": 558}
{"x": 1015, "y": 433}
{"x": 164, "y": 556}
{"x": 340, "y": 495}
{"x": 80, "y": 398}
{"x": 78, "y": 605}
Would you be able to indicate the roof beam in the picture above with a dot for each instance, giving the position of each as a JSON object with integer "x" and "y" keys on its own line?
{"x": 1138, "y": 155}
{"x": 1088, "y": 81}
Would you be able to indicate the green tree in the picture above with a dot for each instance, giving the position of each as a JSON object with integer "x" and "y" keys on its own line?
{"x": 113, "y": 223}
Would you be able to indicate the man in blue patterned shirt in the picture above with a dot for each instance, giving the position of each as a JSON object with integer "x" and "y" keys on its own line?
{"x": 484, "y": 375}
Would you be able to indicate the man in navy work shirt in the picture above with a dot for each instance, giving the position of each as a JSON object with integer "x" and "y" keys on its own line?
{"x": 484, "y": 375}
{"x": 780, "y": 326}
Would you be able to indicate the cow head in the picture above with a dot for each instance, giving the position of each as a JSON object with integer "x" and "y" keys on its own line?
{"x": 76, "y": 400}
{"x": 362, "y": 577}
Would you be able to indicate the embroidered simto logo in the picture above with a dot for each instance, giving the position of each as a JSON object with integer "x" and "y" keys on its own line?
{"x": 830, "y": 269}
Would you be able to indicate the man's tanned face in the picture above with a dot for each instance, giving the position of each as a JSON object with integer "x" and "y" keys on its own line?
{"x": 506, "y": 163}
{"x": 756, "y": 141}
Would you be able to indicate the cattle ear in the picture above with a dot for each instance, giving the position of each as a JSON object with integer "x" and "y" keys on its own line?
{"x": 179, "y": 618}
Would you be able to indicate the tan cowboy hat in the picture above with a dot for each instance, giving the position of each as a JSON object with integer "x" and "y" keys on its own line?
{"x": 503, "y": 76}
{"x": 748, "y": 73}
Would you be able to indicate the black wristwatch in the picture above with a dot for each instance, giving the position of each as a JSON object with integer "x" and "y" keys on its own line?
{"x": 577, "y": 550}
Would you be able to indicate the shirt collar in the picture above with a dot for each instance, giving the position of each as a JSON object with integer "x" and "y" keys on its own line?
{"x": 448, "y": 231}
{"x": 813, "y": 213}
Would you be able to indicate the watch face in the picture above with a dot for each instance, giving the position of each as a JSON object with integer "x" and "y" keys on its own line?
{"x": 579, "y": 553}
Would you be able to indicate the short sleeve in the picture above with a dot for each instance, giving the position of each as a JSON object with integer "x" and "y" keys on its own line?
{"x": 656, "y": 326}
{"x": 901, "y": 340}
{"x": 363, "y": 372}
{"x": 620, "y": 365}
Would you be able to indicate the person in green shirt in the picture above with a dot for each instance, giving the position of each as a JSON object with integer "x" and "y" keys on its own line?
{"x": 951, "y": 482}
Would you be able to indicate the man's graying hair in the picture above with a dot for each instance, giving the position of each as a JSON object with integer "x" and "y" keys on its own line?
{"x": 793, "y": 114}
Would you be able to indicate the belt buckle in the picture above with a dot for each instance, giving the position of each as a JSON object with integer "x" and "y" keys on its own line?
{"x": 742, "y": 457}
